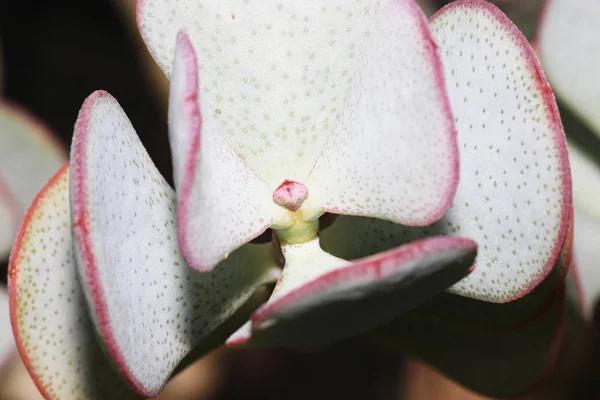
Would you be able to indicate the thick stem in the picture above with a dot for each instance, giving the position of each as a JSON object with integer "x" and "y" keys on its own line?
{"x": 299, "y": 232}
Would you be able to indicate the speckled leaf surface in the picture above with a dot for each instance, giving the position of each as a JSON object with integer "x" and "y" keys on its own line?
{"x": 221, "y": 203}
{"x": 465, "y": 311}
{"x": 371, "y": 109}
{"x": 393, "y": 154}
{"x": 514, "y": 195}
{"x": 343, "y": 299}
{"x": 29, "y": 156}
{"x": 148, "y": 305}
{"x": 568, "y": 45}
{"x": 54, "y": 334}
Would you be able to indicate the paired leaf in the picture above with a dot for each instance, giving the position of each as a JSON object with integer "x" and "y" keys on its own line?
{"x": 49, "y": 313}
{"x": 515, "y": 191}
{"x": 514, "y": 196}
{"x": 569, "y": 49}
{"x": 29, "y": 156}
{"x": 148, "y": 306}
{"x": 570, "y": 52}
{"x": 221, "y": 203}
{"x": 393, "y": 153}
{"x": 320, "y": 298}
{"x": 278, "y": 99}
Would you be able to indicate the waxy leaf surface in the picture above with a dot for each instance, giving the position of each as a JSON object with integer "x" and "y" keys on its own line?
{"x": 29, "y": 156}
{"x": 49, "y": 314}
{"x": 514, "y": 196}
{"x": 568, "y": 45}
{"x": 363, "y": 122}
{"x": 221, "y": 203}
{"x": 149, "y": 306}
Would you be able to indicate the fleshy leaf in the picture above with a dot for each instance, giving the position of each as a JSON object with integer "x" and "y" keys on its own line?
{"x": 49, "y": 315}
{"x": 514, "y": 196}
{"x": 320, "y": 298}
{"x": 7, "y": 343}
{"x": 277, "y": 99}
{"x": 393, "y": 154}
{"x": 586, "y": 192}
{"x": 354, "y": 237}
{"x": 10, "y": 213}
{"x": 221, "y": 203}
{"x": 568, "y": 45}
{"x": 149, "y": 307}
{"x": 29, "y": 156}
{"x": 586, "y": 182}
{"x": 515, "y": 193}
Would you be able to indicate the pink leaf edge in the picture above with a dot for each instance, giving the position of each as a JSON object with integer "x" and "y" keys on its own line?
{"x": 40, "y": 131}
{"x": 432, "y": 49}
{"x": 354, "y": 272}
{"x": 13, "y": 277}
{"x": 81, "y": 221}
{"x": 553, "y": 116}
{"x": 194, "y": 118}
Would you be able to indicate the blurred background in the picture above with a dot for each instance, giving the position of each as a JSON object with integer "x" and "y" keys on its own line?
{"x": 56, "y": 53}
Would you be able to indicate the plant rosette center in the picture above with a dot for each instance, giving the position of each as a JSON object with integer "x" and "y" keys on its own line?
{"x": 301, "y": 223}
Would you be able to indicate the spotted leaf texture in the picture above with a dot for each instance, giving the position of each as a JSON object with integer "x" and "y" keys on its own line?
{"x": 221, "y": 203}
{"x": 371, "y": 109}
{"x": 148, "y": 305}
{"x": 514, "y": 196}
{"x": 55, "y": 336}
{"x": 569, "y": 49}
{"x": 393, "y": 154}
{"x": 515, "y": 193}
{"x": 321, "y": 298}
{"x": 29, "y": 156}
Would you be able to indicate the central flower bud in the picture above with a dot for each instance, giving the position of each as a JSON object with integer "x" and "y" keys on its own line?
{"x": 299, "y": 229}
{"x": 290, "y": 195}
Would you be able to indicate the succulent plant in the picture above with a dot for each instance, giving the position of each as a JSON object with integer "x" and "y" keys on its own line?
{"x": 7, "y": 344}
{"x": 281, "y": 112}
{"x": 29, "y": 156}
{"x": 569, "y": 50}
